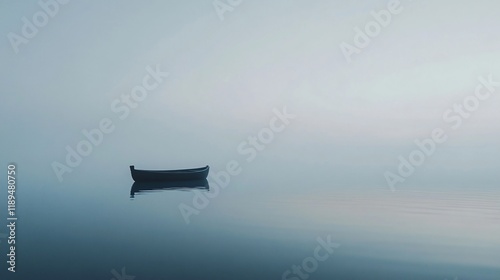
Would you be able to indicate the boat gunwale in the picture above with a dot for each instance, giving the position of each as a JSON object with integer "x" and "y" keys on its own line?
{"x": 190, "y": 170}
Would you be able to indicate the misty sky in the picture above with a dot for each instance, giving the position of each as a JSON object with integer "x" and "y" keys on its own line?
{"x": 226, "y": 76}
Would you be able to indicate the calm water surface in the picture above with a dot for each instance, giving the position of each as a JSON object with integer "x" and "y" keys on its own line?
{"x": 258, "y": 227}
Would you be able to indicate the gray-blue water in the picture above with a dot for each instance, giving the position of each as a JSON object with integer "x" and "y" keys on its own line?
{"x": 258, "y": 227}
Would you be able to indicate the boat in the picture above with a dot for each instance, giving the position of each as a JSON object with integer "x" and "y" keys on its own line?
{"x": 169, "y": 175}
{"x": 139, "y": 187}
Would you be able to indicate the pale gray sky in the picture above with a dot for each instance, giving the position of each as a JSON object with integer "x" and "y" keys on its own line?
{"x": 227, "y": 76}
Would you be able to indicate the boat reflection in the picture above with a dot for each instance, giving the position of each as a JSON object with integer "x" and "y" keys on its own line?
{"x": 139, "y": 187}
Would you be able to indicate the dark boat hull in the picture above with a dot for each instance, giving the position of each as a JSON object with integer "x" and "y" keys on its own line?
{"x": 169, "y": 175}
